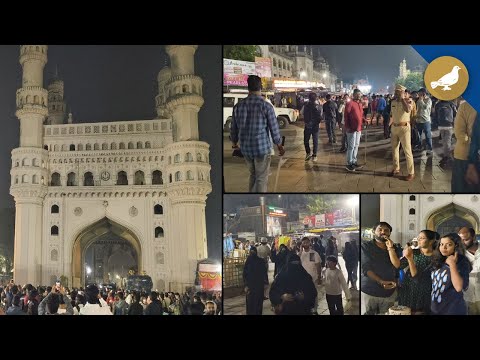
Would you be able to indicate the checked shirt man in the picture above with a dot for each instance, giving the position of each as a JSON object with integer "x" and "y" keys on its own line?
{"x": 255, "y": 126}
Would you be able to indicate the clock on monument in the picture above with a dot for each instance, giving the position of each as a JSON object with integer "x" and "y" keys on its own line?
{"x": 105, "y": 175}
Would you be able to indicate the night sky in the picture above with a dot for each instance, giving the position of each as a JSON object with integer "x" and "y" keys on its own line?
{"x": 379, "y": 62}
{"x": 114, "y": 83}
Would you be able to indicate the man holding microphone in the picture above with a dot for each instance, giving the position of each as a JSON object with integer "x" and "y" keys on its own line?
{"x": 378, "y": 274}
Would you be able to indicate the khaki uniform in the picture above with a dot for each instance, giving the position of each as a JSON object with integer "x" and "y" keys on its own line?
{"x": 401, "y": 134}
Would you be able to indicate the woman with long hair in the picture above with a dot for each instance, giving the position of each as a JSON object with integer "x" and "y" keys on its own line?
{"x": 449, "y": 277}
{"x": 415, "y": 290}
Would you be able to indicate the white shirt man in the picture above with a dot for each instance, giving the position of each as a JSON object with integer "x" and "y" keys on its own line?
{"x": 472, "y": 294}
{"x": 311, "y": 261}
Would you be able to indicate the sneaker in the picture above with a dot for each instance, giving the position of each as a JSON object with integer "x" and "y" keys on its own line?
{"x": 357, "y": 166}
{"x": 308, "y": 157}
{"x": 429, "y": 152}
{"x": 314, "y": 158}
{"x": 350, "y": 167}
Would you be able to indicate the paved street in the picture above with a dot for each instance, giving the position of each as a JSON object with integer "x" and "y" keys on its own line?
{"x": 236, "y": 305}
{"x": 328, "y": 174}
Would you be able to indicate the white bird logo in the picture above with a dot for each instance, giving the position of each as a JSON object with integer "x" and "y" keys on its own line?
{"x": 447, "y": 80}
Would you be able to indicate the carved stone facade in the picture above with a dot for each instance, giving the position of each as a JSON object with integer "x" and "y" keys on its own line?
{"x": 409, "y": 214}
{"x": 145, "y": 181}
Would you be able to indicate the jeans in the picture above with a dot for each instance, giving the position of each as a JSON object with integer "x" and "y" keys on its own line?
{"x": 306, "y": 140}
{"x": 259, "y": 168}
{"x": 353, "y": 140}
{"x": 330, "y": 125}
{"x": 446, "y": 135}
{"x": 373, "y": 305}
{"x": 427, "y": 126}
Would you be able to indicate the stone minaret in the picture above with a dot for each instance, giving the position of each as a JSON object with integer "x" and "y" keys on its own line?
{"x": 403, "y": 72}
{"x": 161, "y": 99}
{"x": 29, "y": 172}
{"x": 188, "y": 168}
{"x": 57, "y": 108}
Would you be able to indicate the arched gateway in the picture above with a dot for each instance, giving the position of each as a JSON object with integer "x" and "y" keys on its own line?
{"x": 94, "y": 201}
{"x": 104, "y": 252}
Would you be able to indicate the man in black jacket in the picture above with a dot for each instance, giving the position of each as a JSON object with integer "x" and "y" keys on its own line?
{"x": 330, "y": 113}
{"x": 154, "y": 307}
{"x": 311, "y": 117}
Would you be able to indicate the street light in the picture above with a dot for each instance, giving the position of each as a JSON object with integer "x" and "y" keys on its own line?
{"x": 89, "y": 270}
{"x": 353, "y": 202}
{"x": 303, "y": 74}
{"x": 324, "y": 75}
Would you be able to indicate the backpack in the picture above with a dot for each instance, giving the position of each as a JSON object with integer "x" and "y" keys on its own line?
{"x": 444, "y": 112}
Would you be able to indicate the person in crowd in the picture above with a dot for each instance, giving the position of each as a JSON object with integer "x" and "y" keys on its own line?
{"x": 386, "y": 117}
{"x": 401, "y": 107}
{"x": 120, "y": 306}
{"x": 33, "y": 302}
{"x": 330, "y": 115}
{"x": 311, "y": 117}
{"x": 415, "y": 290}
{"x": 334, "y": 283}
{"x": 472, "y": 253}
{"x": 136, "y": 307}
{"x": 51, "y": 303}
{"x": 331, "y": 249}
{"x": 79, "y": 303}
{"x": 353, "y": 129}
{"x": 311, "y": 262}
{"x": 350, "y": 256}
{"x": 463, "y": 127}
{"x": 254, "y": 274}
{"x": 197, "y": 307}
{"x": 263, "y": 252}
{"x": 209, "y": 308}
{"x": 423, "y": 119}
{"x": 445, "y": 111}
{"x": 450, "y": 277}
{"x": 253, "y": 122}
{"x": 381, "y": 105}
{"x": 341, "y": 122}
{"x": 293, "y": 291}
{"x": 378, "y": 271}
{"x": 15, "y": 308}
{"x": 279, "y": 258}
{"x": 95, "y": 305}
{"x": 154, "y": 306}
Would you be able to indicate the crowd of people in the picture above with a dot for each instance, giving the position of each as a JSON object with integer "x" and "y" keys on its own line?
{"x": 60, "y": 300}
{"x": 439, "y": 277}
{"x": 301, "y": 267}
{"x": 406, "y": 117}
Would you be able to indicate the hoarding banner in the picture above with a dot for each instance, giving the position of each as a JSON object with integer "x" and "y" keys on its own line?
{"x": 263, "y": 67}
{"x": 234, "y": 79}
{"x": 238, "y": 67}
{"x": 320, "y": 220}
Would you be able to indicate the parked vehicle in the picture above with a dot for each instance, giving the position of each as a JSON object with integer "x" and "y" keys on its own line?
{"x": 284, "y": 115}
{"x": 141, "y": 283}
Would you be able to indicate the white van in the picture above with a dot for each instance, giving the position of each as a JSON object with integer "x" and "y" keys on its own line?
{"x": 284, "y": 115}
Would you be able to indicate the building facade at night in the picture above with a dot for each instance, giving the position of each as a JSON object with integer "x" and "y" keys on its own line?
{"x": 136, "y": 188}
{"x": 299, "y": 62}
{"x": 409, "y": 214}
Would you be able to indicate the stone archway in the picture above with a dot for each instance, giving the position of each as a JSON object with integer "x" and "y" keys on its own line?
{"x": 100, "y": 241}
{"x": 450, "y": 217}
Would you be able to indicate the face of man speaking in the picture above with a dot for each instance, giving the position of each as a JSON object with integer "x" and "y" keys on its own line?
{"x": 382, "y": 233}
